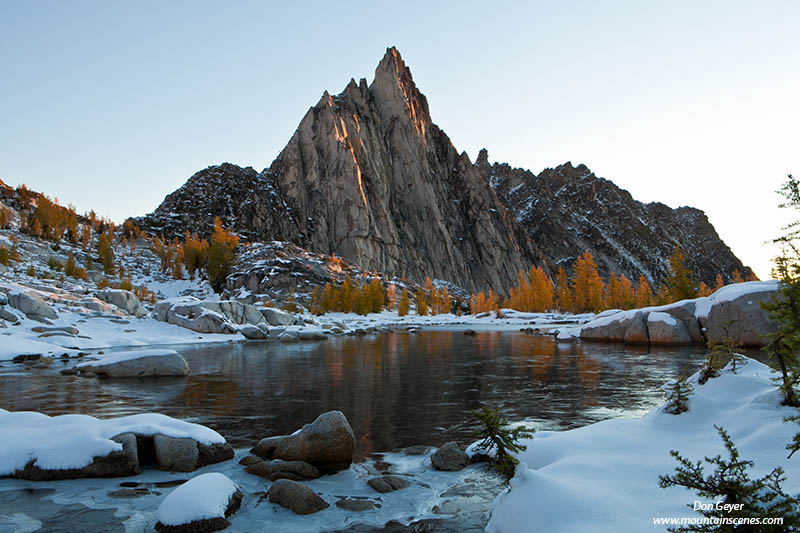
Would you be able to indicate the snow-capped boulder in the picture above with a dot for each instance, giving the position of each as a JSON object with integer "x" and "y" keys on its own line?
{"x": 296, "y": 497}
{"x": 39, "y": 447}
{"x": 201, "y": 504}
{"x": 124, "y": 300}
{"x": 278, "y": 469}
{"x": 735, "y": 311}
{"x": 664, "y": 328}
{"x": 327, "y": 443}
{"x": 31, "y": 304}
{"x": 137, "y": 364}
{"x": 117, "y": 463}
{"x": 685, "y": 312}
{"x": 636, "y": 333}
{"x": 449, "y": 458}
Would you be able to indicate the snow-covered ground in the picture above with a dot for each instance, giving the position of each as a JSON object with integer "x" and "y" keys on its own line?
{"x": 604, "y": 477}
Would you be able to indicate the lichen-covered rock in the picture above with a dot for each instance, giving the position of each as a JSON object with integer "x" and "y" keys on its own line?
{"x": 327, "y": 443}
{"x": 296, "y": 497}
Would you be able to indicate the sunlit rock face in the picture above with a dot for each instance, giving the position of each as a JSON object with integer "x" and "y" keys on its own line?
{"x": 368, "y": 176}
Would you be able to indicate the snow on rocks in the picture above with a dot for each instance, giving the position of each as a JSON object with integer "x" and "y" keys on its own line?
{"x": 124, "y": 300}
{"x": 32, "y": 305}
{"x": 733, "y": 310}
{"x": 201, "y": 504}
{"x": 137, "y": 364}
{"x": 604, "y": 477}
{"x": 39, "y": 447}
{"x": 220, "y": 316}
{"x": 327, "y": 443}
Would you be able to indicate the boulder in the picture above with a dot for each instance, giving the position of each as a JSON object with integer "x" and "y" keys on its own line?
{"x": 685, "y": 313}
{"x": 636, "y": 332}
{"x": 176, "y": 455}
{"x": 202, "y": 504}
{"x": 277, "y": 317}
{"x": 5, "y": 314}
{"x": 123, "y": 300}
{"x": 296, "y": 497}
{"x": 119, "y": 463}
{"x": 740, "y": 318}
{"x": 311, "y": 336}
{"x": 327, "y": 443}
{"x": 144, "y": 363}
{"x": 253, "y": 332}
{"x": 213, "y": 453}
{"x": 278, "y": 469}
{"x": 31, "y": 304}
{"x": 197, "y": 318}
{"x": 664, "y": 328}
{"x": 449, "y": 458}
{"x": 386, "y": 484}
{"x": 236, "y": 312}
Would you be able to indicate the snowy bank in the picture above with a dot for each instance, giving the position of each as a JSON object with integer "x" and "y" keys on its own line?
{"x": 604, "y": 477}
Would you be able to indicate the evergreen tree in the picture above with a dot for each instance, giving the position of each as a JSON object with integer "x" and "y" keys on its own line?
{"x": 678, "y": 392}
{"x": 784, "y": 307}
{"x": 106, "y": 252}
{"x": 221, "y": 254}
{"x": 330, "y": 299}
{"x": 391, "y": 297}
{"x": 347, "y": 294}
{"x": 731, "y": 482}
{"x": 5, "y": 256}
{"x": 680, "y": 281}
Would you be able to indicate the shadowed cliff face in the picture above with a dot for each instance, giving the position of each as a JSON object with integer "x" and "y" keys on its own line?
{"x": 568, "y": 210}
{"x": 368, "y": 176}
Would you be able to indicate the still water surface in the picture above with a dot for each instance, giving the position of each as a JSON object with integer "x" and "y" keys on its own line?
{"x": 396, "y": 389}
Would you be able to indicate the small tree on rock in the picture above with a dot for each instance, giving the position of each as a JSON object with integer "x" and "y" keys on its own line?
{"x": 497, "y": 435}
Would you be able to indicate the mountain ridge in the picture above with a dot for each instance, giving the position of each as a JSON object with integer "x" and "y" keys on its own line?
{"x": 369, "y": 176}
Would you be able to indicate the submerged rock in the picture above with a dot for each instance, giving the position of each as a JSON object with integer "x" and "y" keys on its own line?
{"x": 278, "y": 469}
{"x": 327, "y": 443}
{"x": 296, "y": 497}
{"x": 386, "y": 484}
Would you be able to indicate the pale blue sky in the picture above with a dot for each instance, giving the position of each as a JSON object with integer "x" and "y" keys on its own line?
{"x": 110, "y": 105}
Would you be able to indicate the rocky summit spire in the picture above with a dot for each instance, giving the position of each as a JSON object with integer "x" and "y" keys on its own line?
{"x": 395, "y": 93}
{"x": 368, "y": 176}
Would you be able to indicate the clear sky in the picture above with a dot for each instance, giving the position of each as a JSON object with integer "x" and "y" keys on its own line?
{"x": 112, "y": 105}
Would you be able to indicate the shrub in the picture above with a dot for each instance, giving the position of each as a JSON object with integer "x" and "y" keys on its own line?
{"x": 103, "y": 284}
{"x": 126, "y": 284}
{"x": 678, "y": 392}
{"x": 31, "y": 271}
{"x": 731, "y": 481}
{"x": 498, "y": 436}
